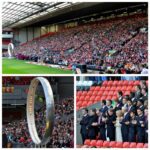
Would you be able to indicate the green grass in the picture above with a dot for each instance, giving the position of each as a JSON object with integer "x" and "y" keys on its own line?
{"x": 14, "y": 66}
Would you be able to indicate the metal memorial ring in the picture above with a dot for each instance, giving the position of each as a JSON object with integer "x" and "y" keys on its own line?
{"x": 50, "y": 110}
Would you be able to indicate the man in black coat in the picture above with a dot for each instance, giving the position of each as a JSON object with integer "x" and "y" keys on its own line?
{"x": 92, "y": 125}
{"x": 132, "y": 127}
{"x": 125, "y": 124}
{"x": 110, "y": 123}
{"x": 84, "y": 123}
{"x": 140, "y": 126}
{"x": 104, "y": 108}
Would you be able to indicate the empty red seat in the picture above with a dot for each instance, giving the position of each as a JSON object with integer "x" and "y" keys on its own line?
{"x": 123, "y": 88}
{"x": 84, "y": 93}
{"x": 105, "y": 93}
{"x": 79, "y": 93}
{"x": 79, "y": 103}
{"x": 112, "y": 144}
{"x": 125, "y": 82}
{"x": 107, "y": 88}
{"x": 140, "y": 145}
{"x": 114, "y": 98}
{"x": 95, "y": 93}
{"x": 111, "y": 93}
{"x": 120, "y": 83}
{"x": 84, "y": 104}
{"x": 129, "y": 88}
{"x": 118, "y": 88}
{"x": 100, "y": 93}
{"x": 109, "y": 83}
{"x": 87, "y": 98}
{"x": 133, "y": 145}
{"x": 115, "y": 83}
{"x": 99, "y": 143}
{"x": 77, "y": 98}
{"x": 126, "y": 144}
{"x": 103, "y": 98}
{"x": 93, "y": 143}
{"x": 92, "y": 88}
{"x": 131, "y": 83}
{"x": 89, "y": 103}
{"x": 97, "y": 88}
{"x": 105, "y": 83}
{"x": 113, "y": 88}
{"x": 82, "y": 98}
{"x": 92, "y": 98}
{"x": 87, "y": 142}
{"x": 103, "y": 88}
{"x": 145, "y": 145}
{"x": 119, "y": 144}
{"x": 109, "y": 98}
{"x": 137, "y": 82}
{"x": 106, "y": 144}
{"x": 97, "y": 98}
{"x": 90, "y": 93}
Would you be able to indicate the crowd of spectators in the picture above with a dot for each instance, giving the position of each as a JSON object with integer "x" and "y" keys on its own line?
{"x": 124, "y": 121}
{"x": 91, "y": 44}
{"x": 16, "y": 134}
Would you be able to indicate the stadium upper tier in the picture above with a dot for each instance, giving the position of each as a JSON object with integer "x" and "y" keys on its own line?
{"x": 116, "y": 43}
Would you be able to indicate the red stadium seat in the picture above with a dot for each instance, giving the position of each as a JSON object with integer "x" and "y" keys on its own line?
{"x": 119, "y": 144}
{"x": 105, "y": 93}
{"x": 92, "y": 98}
{"x": 112, "y": 144}
{"x": 111, "y": 93}
{"x": 115, "y": 83}
{"x": 107, "y": 88}
{"x": 109, "y": 98}
{"x": 114, "y": 98}
{"x": 105, "y": 83}
{"x": 90, "y": 93}
{"x": 125, "y": 82}
{"x": 84, "y": 93}
{"x": 126, "y": 144}
{"x": 106, "y": 144}
{"x": 79, "y": 93}
{"x": 113, "y": 88}
{"x": 92, "y": 88}
{"x": 123, "y": 88}
{"x": 87, "y": 98}
{"x": 82, "y": 98}
{"x": 99, "y": 143}
{"x": 126, "y": 93}
{"x": 100, "y": 93}
{"x": 84, "y": 104}
{"x": 97, "y": 88}
{"x": 95, "y": 93}
{"x": 118, "y": 88}
{"x": 103, "y": 98}
{"x": 145, "y": 145}
{"x": 133, "y": 145}
{"x": 77, "y": 98}
{"x": 129, "y": 88}
{"x": 140, "y": 145}
{"x": 102, "y": 88}
{"x": 131, "y": 83}
{"x": 110, "y": 83}
{"x": 89, "y": 103}
{"x": 137, "y": 82}
{"x": 97, "y": 98}
{"x": 79, "y": 103}
{"x": 93, "y": 143}
{"x": 120, "y": 83}
{"x": 87, "y": 142}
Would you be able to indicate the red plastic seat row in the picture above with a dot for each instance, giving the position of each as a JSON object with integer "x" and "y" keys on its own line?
{"x": 114, "y": 144}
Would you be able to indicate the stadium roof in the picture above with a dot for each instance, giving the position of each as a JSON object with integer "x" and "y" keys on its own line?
{"x": 20, "y": 12}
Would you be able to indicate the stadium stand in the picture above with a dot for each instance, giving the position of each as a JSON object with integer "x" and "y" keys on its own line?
{"x": 112, "y": 113}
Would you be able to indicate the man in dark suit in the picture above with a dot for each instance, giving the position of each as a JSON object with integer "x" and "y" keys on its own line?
{"x": 118, "y": 106}
{"x": 138, "y": 93}
{"x": 109, "y": 104}
{"x": 132, "y": 127}
{"x": 110, "y": 123}
{"x": 140, "y": 105}
{"x": 125, "y": 124}
{"x": 92, "y": 124}
{"x": 140, "y": 126}
{"x": 144, "y": 94}
{"x": 84, "y": 123}
{"x": 120, "y": 96}
{"x": 104, "y": 108}
{"x": 131, "y": 107}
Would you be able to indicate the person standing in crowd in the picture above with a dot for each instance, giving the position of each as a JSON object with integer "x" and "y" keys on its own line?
{"x": 5, "y": 140}
{"x": 132, "y": 127}
{"x": 92, "y": 124}
{"x": 118, "y": 126}
{"x": 120, "y": 96}
{"x": 110, "y": 124}
{"x": 125, "y": 101}
{"x": 125, "y": 124}
{"x": 131, "y": 107}
{"x": 144, "y": 94}
{"x": 109, "y": 104}
{"x": 104, "y": 107}
{"x": 140, "y": 126}
{"x": 146, "y": 125}
{"x": 140, "y": 105}
{"x": 138, "y": 93}
{"x": 84, "y": 123}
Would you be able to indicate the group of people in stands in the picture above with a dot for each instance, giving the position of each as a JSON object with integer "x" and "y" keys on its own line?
{"x": 124, "y": 121}
{"x": 16, "y": 133}
{"x": 91, "y": 45}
